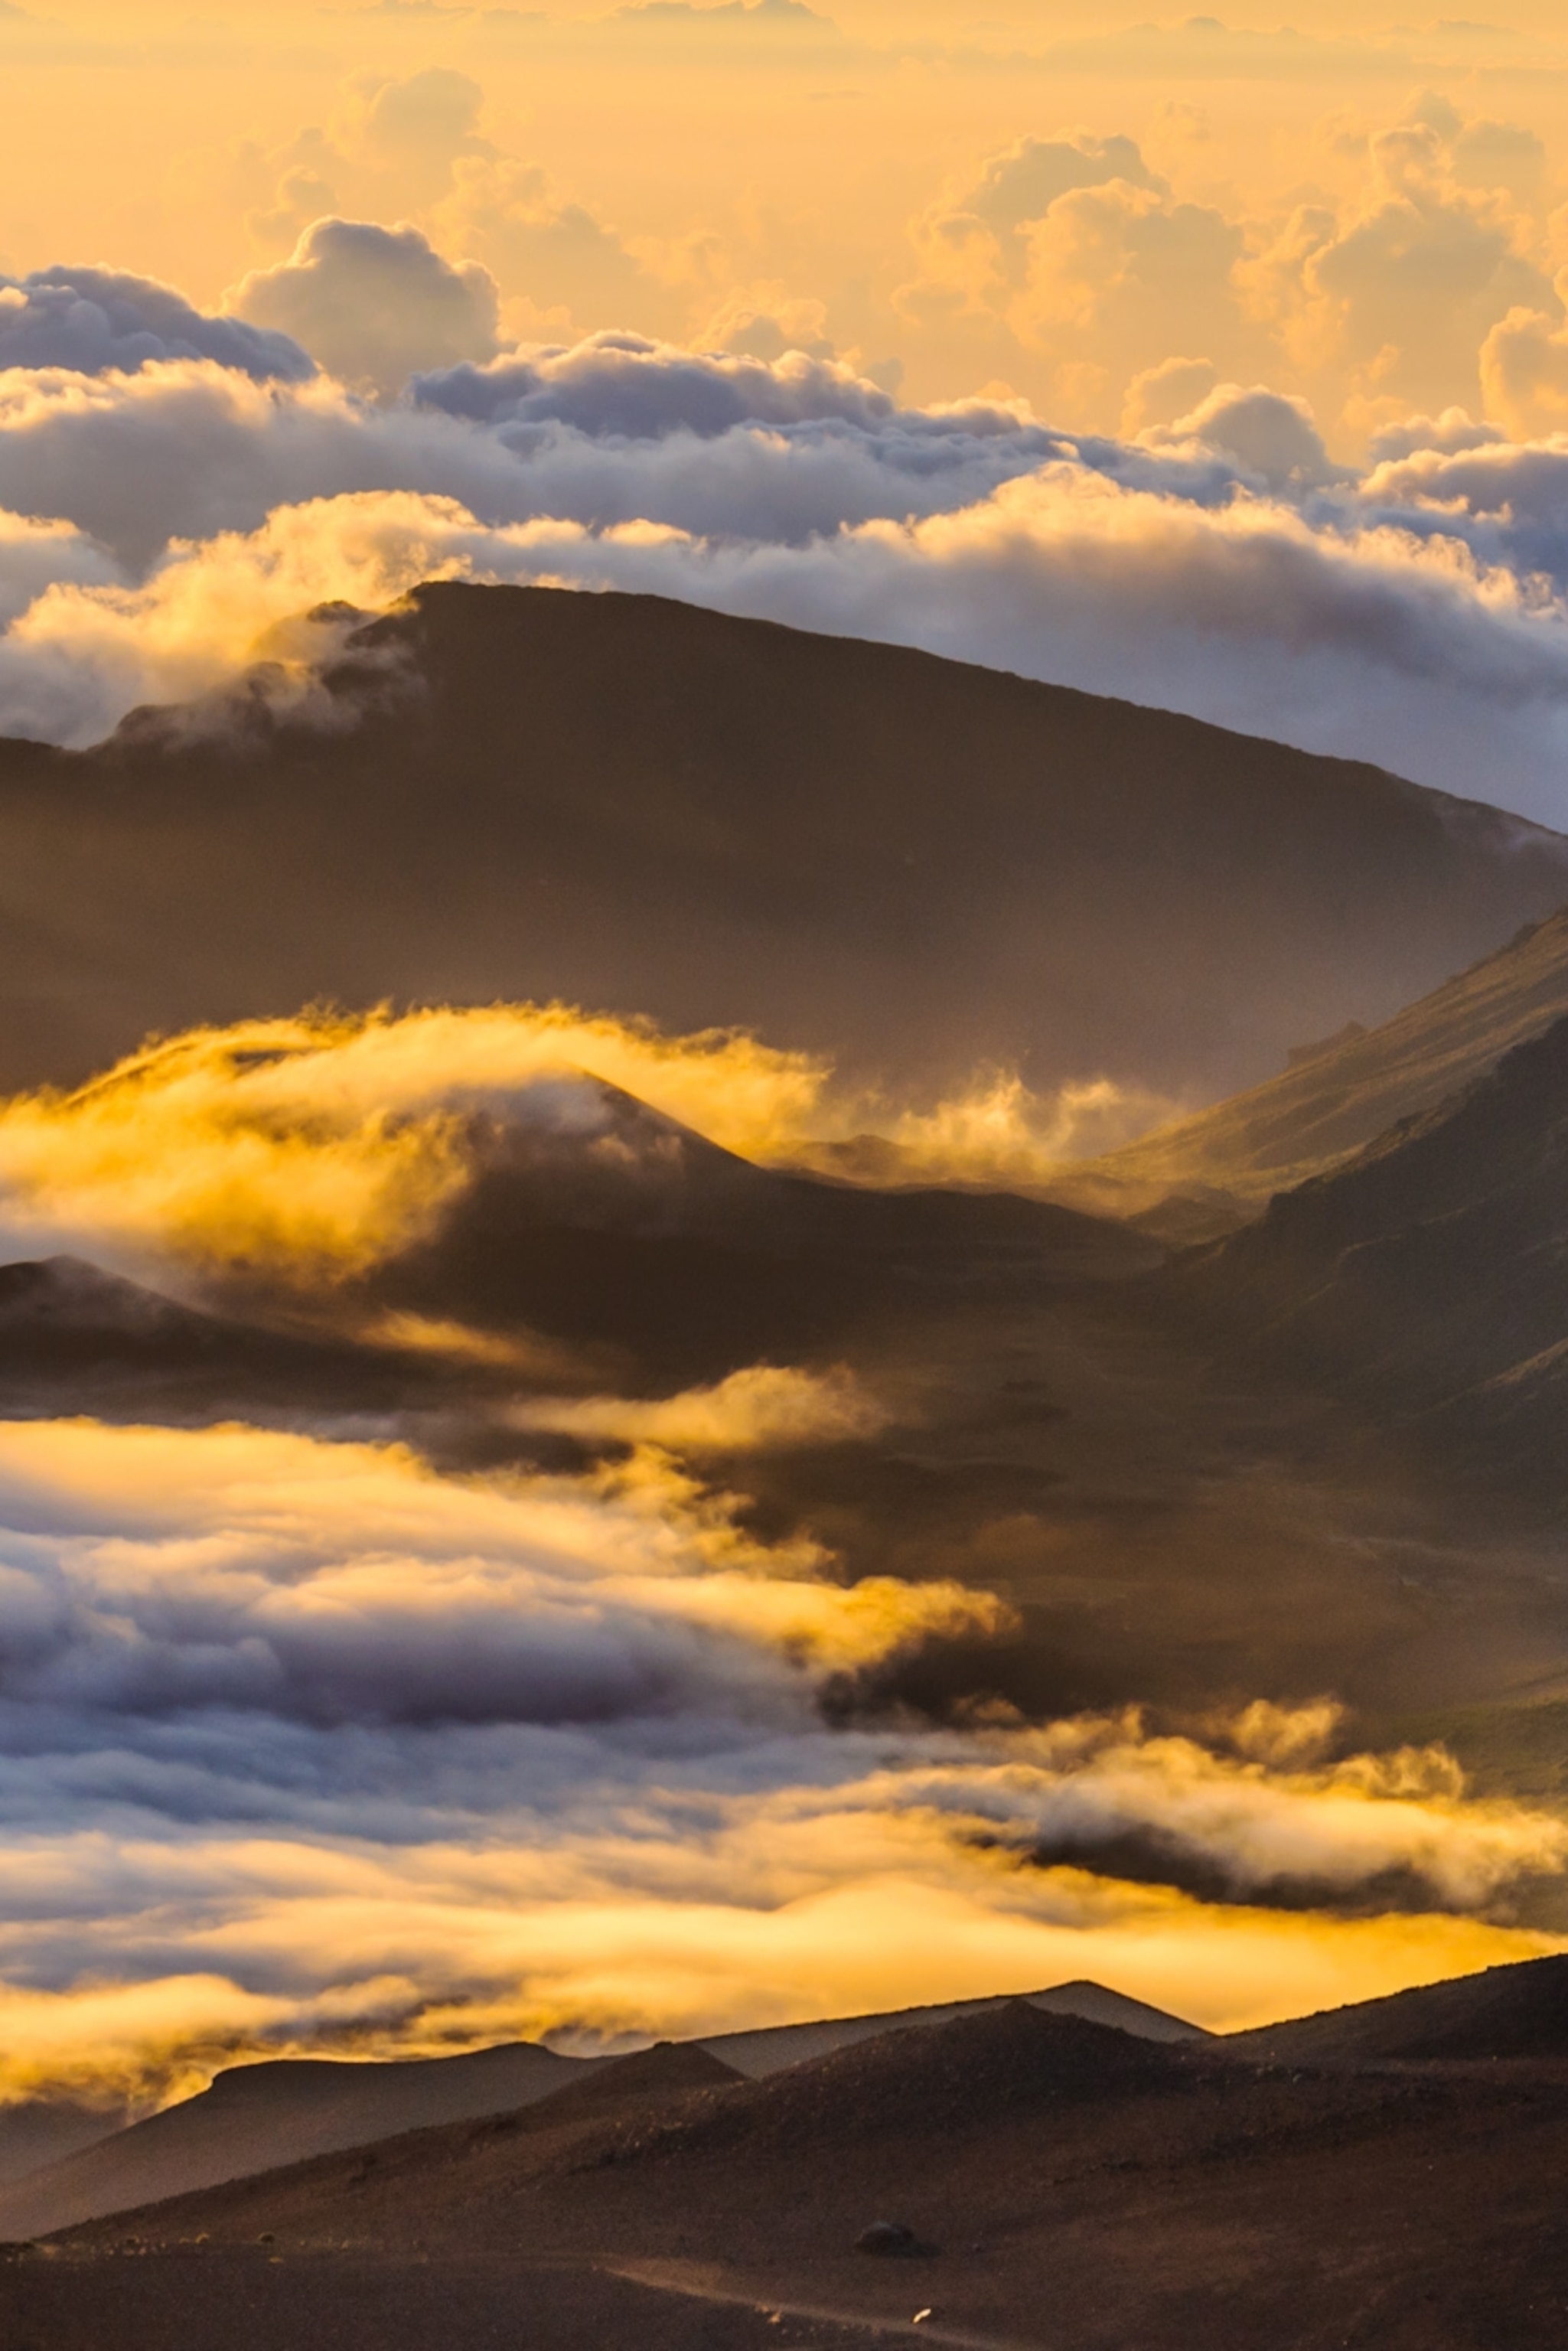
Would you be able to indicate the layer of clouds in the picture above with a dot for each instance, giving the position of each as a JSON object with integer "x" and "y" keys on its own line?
{"x": 1218, "y": 562}
{"x": 94, "y": 320}
{"x": 318, "y": 1147}
{"x": 1405, "y": 635}
{"x": 325, "y": 1742}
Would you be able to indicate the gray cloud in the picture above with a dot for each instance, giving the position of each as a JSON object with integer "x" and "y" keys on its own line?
{"x": 92, "y": 321}
{"x": 373, "y": 303}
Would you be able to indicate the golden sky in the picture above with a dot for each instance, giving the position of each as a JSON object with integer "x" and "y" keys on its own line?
{"x": 1345, "y": 211}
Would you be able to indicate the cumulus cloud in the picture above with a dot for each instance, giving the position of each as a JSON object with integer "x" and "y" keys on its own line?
{"x": 979, "y": 227}
{"x": 1397, "y": 293}
{"x": 556, "y": 259}
{"x": 93, "y": 320}
{"x": 1524, "y": 372}
{"x": 1074, "y": 250}
{"x": 618, "y": 386}
{"x": 1272, "y": 437}
{"x": 373, "y": 303}
{"x": 35, "y": 555}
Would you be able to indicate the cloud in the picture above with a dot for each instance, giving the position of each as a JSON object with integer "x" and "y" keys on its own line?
{"x": 1398, "y": 293}
{"x": 1371, "y": 636}
{"x": 1524, "y": 372}
{"x": 766, "y": 1408}
{"x": 433, "y": 112}
{"x": 330, "y": 1745}
{"x": 1220, "y": 564}
{"x": 981, "y": 225}
{"x": 1272, "y": 437}
{"x": 552, "y": 252}
{"x": 334, "y": 1584}
{"x": 93, "y": 320}
{"x": 33, "y": 555}
{"x": 319, "y": 1145}
{"x": 616, "y": 386}
{"x": 373, "y": 303}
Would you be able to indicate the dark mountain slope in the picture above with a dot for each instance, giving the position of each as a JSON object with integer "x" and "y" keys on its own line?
{"x": 625, "y": 1232}
{"x": 1336, "y": 1098}
{"x": 1519, "y": 2011}
{"x": 76, "y": 1339}
{"x": 1063, "y": 2186}
{"x": 768, "y": 2049}
{"x": 255, "y": 2116}
{"x": 1426, "y": 1280}
{"x": 914, "y": 864}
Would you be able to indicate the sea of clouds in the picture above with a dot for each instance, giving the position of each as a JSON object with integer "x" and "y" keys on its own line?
{"x": 174, "y": 486}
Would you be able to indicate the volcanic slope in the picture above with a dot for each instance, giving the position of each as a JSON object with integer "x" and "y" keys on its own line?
{"x": 1427, "y": 1281}
{"x": 625, "y": 1235}
{"x": 256, "y": 2118}
{"x": 1060, "y": 2184}
{"x": 1335, "y": 1097}
{"x": 1516, "y": 2012}
{"x": 252, "y": 2118}
{"x": 912, "y": 864}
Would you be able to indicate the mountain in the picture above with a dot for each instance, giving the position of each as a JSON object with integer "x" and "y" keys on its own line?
{"x": 1426, "y": 1280}
{"x": 1509, "y": 2012}
{"x": 252, "y": 2118}
{"x": 768, "y": 2048}
{"x": 1333, "y": 1098}
{"x": 911, "y": 865}
{"x": 1007, "y": 2178}
{"x": 623, "y": 1236}
{"x": 73, "y": 1338}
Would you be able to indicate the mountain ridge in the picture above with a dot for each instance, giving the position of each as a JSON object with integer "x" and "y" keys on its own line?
{"x": 912, "y": 865}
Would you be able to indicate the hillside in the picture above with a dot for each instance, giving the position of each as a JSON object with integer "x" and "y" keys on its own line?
{"x": 1031, "y": 2181}
{"x": 1336, "y": 1097}
{"x": 1505, "y": 2013}
{"x": 916, "y": 866}
{"x": 1426, "y": 1280}
{"x": 255, "y": 2116}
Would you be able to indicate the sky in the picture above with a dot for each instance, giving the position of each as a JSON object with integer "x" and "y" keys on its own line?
{"x": 1216, "y": 365}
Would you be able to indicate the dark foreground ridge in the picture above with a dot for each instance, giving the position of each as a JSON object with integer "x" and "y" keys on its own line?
{"x": 1042, "y": 2180}
{"x": 912, "y": 864}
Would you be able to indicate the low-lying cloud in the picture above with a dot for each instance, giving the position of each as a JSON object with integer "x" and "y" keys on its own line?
{"x": 318, "y": 1147}
{"x": 306, "y": 1744}
{"x": 1415, "y": 614}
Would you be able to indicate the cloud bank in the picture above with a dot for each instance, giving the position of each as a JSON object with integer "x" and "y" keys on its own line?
{"x": 302, "y": 1742}
{"x": 1414, "y": 612}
